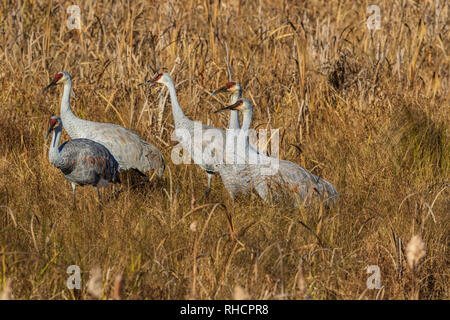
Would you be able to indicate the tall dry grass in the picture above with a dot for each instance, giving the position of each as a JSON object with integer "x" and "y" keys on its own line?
{"x": 367, "y": 110}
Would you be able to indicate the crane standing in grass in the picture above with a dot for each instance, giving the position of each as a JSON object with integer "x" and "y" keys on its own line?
{"x": 236, "y": 176}
{"x": 206, "y": 152}
{"x": 82, "y": 161}
{"x": 236, "y": 93}
{"x": 290, "y": 180}
{"x": 128, "y": 148}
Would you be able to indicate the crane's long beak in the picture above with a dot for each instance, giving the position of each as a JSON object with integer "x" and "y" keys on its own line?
{"x": 50, "y": 129}
{"x": 232, "y": 107}
{"x": 51, "y": 84}
{"x": 148, "y": 82}
{"x": 223, "y": 89}
{"x": 152, "y": 81}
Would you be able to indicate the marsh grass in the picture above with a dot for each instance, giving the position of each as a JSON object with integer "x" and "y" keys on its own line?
{"x": 366, "y": 110}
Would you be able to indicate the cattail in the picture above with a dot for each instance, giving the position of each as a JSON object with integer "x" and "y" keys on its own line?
{"x": 239, "y": 293}
{"x": 6, "y": 293}
{"x": 95, "y": 285}
{"x": 415, "y": 251}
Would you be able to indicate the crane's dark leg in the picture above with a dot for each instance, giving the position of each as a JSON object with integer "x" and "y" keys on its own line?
{"x": 74, "y": 186}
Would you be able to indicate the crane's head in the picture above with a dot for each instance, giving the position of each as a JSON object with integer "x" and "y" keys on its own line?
{"x": 242, "y": 105}
{"x": 161, "y": 78}
{"x": 229, "y": 87}
{"x": 60, "y": 77}
{"x": 53, "y": 123}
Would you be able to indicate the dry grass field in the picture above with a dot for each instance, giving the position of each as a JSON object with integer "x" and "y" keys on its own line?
{"x": 367, "y": 110}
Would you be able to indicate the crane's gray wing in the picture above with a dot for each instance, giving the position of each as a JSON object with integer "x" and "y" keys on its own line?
{"x": 67, "y": 160}
{"x": 305, "y": 183}
{"x": 204, "y": 147}
{"x": 127, "y": 147}
{"x": 84, "y": 161}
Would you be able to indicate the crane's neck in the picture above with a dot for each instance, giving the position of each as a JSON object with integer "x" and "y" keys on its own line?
{"x": 235, "y": 96}
{"x": 234, "y": 115}
{"x": 53, "y": 151}
{"x": 247, "y": 119}
{"x": 69, "y": 119}
{"x": 246, "y": 123}
{"x": 177, "y": 112}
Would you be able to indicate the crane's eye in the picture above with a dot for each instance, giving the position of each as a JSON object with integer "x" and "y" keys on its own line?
{"x": 158, "y": 77}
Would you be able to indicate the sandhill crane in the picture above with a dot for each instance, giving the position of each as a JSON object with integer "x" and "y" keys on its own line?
{"x": 294, "y": 180}
{"x": 186, "y": 130}
{"x": 127, "y": 147}
{"x": 238, "y": 176}
{"x": 290, "y": 179}
{"x": 82, "y": 161}
{"x": 236, "y": 93}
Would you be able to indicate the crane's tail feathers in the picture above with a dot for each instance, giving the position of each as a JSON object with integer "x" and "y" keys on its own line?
{"x": 330, "y": 193}
{"x": 139, "y": 172}
{"x": 155, "y": 159}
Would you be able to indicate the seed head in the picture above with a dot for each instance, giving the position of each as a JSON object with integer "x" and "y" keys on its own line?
{"x": 6, "y": 293}
{"x": 415, "y": 251}
{"x": 194, "y": 226}
{"x": 95, "y": 284}
{"x": 239, "y": 293}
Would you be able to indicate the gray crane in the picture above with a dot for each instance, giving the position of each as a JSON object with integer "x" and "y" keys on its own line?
{"x": 212, "y": 144}
{"x": 238, "y": 176}
{"x": 127, "y": 147}
{"x": 291, "y": 180}
{"x": 205, "y": 152}
{"x": 234, "y": 176}
{"x": 235, "y": 89}
{"x": 82, "y": 161}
